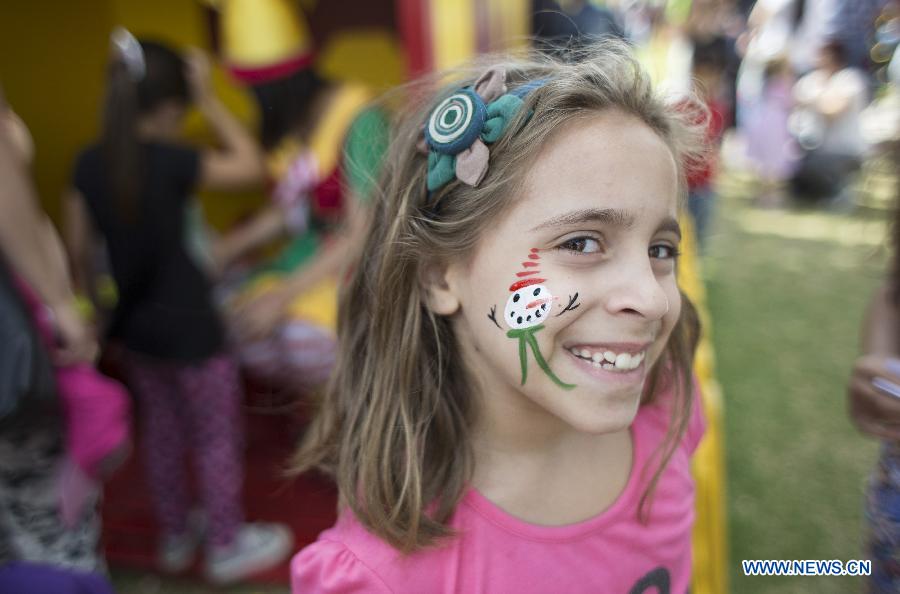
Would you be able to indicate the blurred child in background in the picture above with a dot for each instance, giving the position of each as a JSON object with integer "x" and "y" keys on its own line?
{"x": 133, "y": 187}
{"x": 708, "y": 66}
{"x": 323, "y": 147}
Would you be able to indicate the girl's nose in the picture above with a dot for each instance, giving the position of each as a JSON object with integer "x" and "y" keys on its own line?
{"x": 636, "y": 290}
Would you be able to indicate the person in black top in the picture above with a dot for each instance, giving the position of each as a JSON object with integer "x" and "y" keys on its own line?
{"x": 133, "y": 187}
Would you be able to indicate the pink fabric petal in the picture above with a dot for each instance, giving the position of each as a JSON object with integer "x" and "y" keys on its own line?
{"x": 491, "y": 84}
{"x": 422, "y": 146}
{"x": 472, "y": 163}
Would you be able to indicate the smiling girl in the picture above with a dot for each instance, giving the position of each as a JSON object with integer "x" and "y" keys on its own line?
{"x": 513, "y": 409}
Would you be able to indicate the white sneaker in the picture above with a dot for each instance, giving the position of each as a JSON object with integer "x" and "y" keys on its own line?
{"x": 256, "y": 547}
{"x": 177, "y": 551}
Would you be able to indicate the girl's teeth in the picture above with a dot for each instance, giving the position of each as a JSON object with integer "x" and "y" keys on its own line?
{"x": 609, "y": 360}
{"x": 623, "y": 361}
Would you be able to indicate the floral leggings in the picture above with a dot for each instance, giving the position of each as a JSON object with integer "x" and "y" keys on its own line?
{"x": 191, "y": 407}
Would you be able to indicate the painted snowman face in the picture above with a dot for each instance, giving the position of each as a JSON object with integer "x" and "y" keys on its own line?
{"x": 528, "y": 307}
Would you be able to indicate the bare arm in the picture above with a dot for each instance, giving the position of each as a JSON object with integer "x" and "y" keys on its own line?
{"x": 258, "y": 317}
{"x": 834, "y": 102}
{"x": 830, "y": 101}
{"x": 78, "y": 238}
{"x": 27, "y": 236}
{"x": 880, "y": 329}
{"x": 332, "y": 260}
{"x": 265, "y": 226}
{"x": 33, "y": 248}
{"x": 239, "y": 163}
{"x": 874, "y": 387}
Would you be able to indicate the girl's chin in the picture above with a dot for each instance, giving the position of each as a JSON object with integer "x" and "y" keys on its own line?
{"x": 607, "y": 416}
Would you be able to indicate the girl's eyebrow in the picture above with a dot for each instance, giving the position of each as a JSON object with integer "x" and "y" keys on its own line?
{"x": 607, "y": 216}
{"x": 672, "y": 225}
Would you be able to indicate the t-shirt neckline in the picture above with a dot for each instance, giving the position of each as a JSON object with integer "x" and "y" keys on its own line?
{"x": 527, "y": 530}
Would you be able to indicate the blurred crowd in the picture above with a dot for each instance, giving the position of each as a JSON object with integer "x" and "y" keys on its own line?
{"x": 806, "y": 85}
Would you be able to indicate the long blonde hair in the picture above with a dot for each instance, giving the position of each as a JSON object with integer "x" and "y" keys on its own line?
{"x": 393, "y": 428}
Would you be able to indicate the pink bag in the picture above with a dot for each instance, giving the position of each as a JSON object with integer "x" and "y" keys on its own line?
{"x": 97, "y": 415}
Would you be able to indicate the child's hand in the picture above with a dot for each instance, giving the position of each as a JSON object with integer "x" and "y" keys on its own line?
{"x": 198, "y": 75}
{"x": 257, "y": 319}
{"x": 874, "y": 394}
{"x": 79, "y": 344}
{"x": 221, "y": 255}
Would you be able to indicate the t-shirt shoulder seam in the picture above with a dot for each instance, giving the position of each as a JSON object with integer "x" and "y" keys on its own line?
{"x": 347, "y": 548}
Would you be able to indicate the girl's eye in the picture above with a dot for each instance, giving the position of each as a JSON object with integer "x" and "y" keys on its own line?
{"x": 663, "y": 252}
{"x": 582, "y": 245}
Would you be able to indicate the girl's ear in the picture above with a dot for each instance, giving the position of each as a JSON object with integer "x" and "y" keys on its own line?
{"x": 438, "y": 288}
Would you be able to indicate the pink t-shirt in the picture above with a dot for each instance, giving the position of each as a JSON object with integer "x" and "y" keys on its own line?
{"x": 498, "y": 553}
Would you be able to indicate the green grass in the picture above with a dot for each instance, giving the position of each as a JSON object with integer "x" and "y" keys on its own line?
{"x": 787, "y": 289}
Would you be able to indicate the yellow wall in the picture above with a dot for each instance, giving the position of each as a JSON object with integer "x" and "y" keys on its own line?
{"x": 52, "y": 60}
{"x": 373, "y": 57}
{"x": 52, "y": 66}
{"x": 52, "y": 56}
{"x": 452, "y": 32}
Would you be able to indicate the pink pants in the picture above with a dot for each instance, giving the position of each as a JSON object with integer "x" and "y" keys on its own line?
{"x": 191, "y": 407}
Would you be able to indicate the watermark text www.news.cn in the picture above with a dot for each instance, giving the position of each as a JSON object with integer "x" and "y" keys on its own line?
{"x": 806, "y": 567}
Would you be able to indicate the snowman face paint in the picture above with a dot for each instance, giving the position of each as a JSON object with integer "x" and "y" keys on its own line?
{"x": 493, "y": 316}
{"x": 527, "y": 307}
{"x": 573, "y": 304}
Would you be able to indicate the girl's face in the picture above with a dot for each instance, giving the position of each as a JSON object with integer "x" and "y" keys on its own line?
{"x": 574, "y": 290}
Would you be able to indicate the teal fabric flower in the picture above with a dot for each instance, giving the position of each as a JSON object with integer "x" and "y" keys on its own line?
{"x": 461, "y": 126}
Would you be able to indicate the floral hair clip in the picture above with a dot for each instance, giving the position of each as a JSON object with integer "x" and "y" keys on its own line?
{"x": 462, "y": 125}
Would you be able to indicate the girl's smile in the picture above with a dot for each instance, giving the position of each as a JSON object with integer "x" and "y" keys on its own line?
{"x": 619, "y": 357}
{"x": 625, "y": 371}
